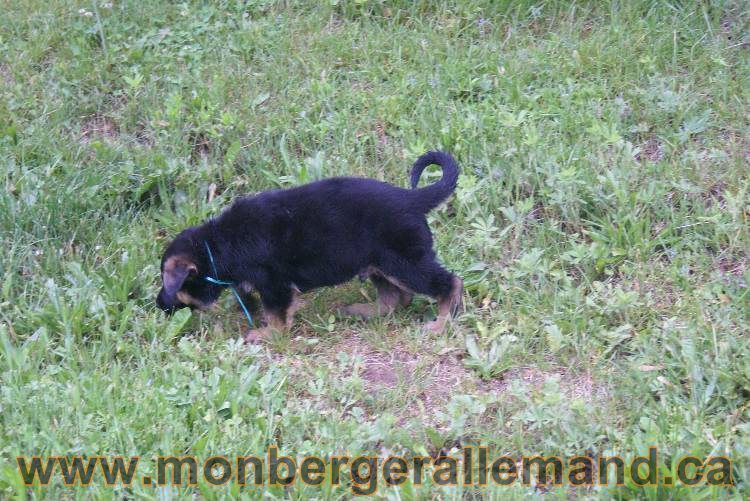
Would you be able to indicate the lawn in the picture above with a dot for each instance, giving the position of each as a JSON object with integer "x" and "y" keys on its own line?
{"x": 601, "y": 226}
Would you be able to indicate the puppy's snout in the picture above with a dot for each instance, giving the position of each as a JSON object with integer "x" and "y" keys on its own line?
{"x": 166, "y": 304}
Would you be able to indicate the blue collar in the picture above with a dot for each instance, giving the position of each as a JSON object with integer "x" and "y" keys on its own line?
{"x": 233, "y": 285}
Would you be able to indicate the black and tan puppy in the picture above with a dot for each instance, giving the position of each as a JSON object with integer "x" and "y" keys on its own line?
{"x": 284, "y": 242}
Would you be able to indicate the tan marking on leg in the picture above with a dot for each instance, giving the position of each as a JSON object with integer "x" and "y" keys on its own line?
{"x": 296, "y": 304}
{"x": 405, "y": 293}
{"x": 389, "y": 296}
{"x": 405, "y": 297}
{"x": 447, "y": 306}
{"x": 276, "y": 322}
{"x": 395, "y": 281}
{"x": 273, "y": 323}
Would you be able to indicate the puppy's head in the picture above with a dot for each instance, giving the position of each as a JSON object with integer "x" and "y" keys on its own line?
{"x": 183, "y": 268}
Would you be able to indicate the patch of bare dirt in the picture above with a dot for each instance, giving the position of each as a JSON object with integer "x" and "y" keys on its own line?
{"x": 586, "y": 29}
{"x": 662, "y": 292}
{"x": 144, "y": 136}
{"x": 733, "y": 21}
{"x": 362, "y": 85}
{"x": 735, "y": 144}
{"x": 387, "y": 370}
{"x": 448, "y": 377}
{"x": 715, "y": 194}
{"x": 733, "y": 265}
{"x": 334, "y": 26}
{"x": 201, "y": 146}
{"x": 6, "y": 75}
{"x": 427, "y": 383}
{"x": 579, "y": 386}
{"x": 380, "y": 370}
{"x": 381, "y": 133}
{"x": 98, "y": 127}
{"x": 652, "y": 151}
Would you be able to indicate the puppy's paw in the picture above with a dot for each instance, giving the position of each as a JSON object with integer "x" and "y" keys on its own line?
{"x": 256, "y": 336}
{"x": 435, "y": 326}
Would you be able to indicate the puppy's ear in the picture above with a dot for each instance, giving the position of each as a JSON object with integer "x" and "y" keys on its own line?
{"x": 176, "y": 270}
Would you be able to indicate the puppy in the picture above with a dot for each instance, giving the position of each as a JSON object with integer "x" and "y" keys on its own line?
{"x": 285, "y": 242}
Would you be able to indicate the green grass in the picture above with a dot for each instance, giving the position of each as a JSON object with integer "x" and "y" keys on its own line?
{"x": 600, "y": 224}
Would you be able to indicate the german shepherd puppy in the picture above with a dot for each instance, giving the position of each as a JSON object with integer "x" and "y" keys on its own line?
{"x": 285, "y": 242}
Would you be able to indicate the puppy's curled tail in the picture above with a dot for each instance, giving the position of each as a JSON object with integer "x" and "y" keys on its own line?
{"x": 431, "y": 196}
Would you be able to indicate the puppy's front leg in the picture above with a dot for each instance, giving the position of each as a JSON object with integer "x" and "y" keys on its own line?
{"x": 279, "y": 306}
{"x": 273, "y": 322}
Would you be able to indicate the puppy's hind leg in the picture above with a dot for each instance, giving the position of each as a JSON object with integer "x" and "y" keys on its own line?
{"x": 448, "y": 305}
{"x": 389, "y": 296}
{"x": 426, "y": 276}
{"x": 404, "y": 297}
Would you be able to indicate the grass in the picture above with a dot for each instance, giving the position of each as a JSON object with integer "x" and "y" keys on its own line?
{"x": 600, "y": 224}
